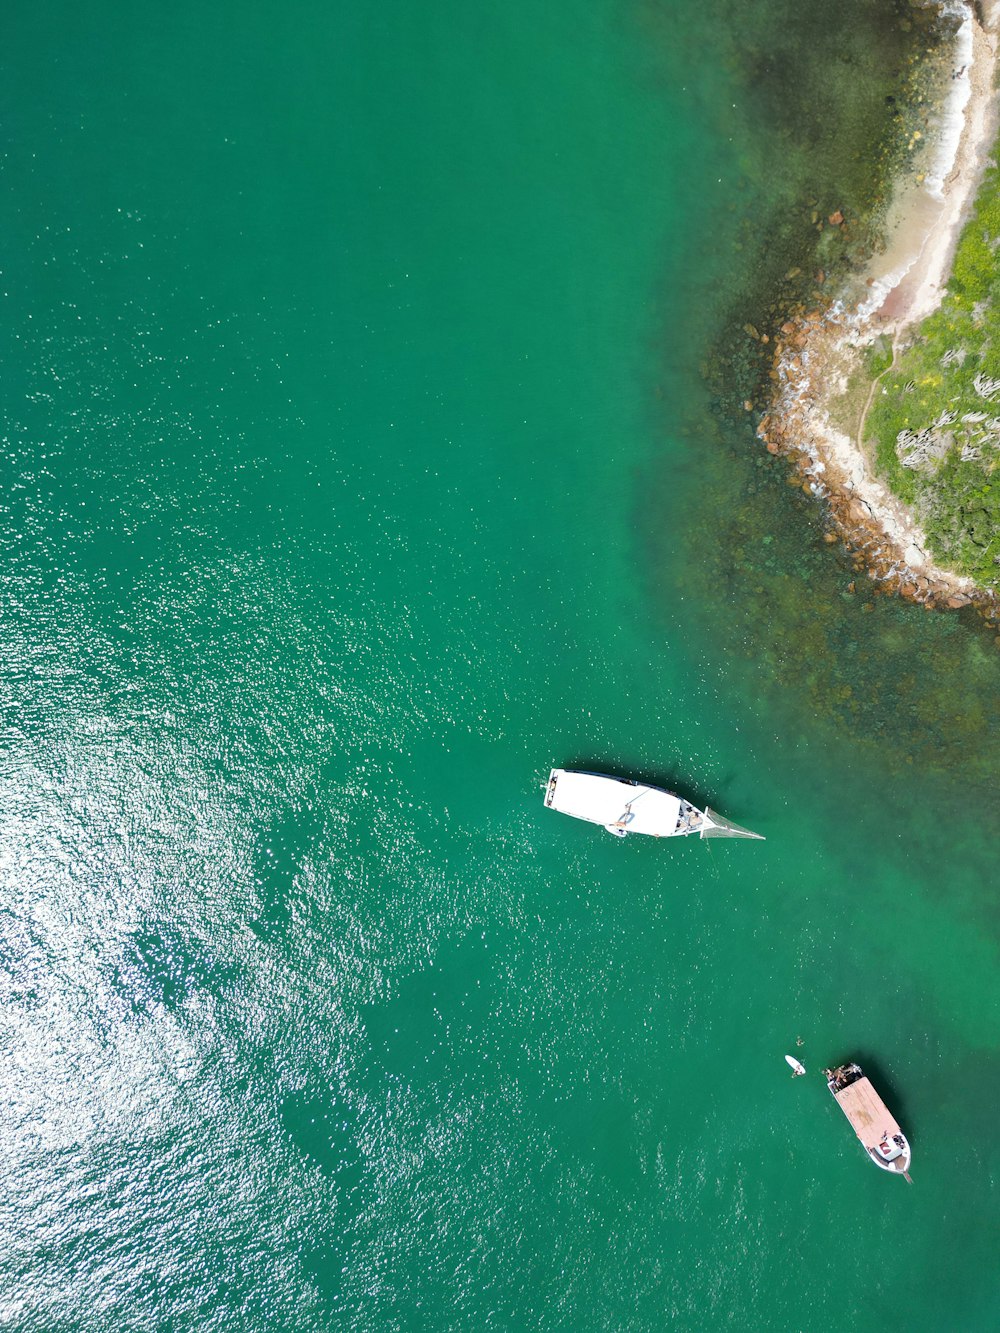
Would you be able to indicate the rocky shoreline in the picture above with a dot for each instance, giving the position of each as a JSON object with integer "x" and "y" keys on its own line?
{"x": 818, "y": 350}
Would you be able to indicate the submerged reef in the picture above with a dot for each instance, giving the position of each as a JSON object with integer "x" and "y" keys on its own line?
{"x": 791, "y": 577}
{"x": 882, "y": 398}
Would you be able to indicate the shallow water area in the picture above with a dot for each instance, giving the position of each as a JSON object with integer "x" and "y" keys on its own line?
{"x": 362, "y": 465}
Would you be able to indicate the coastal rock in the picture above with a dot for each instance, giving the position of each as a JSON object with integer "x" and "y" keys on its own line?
{"x": 836, "y": 219}
{"x": 812, "y": 341}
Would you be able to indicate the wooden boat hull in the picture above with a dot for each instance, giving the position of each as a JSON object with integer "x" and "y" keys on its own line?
{"x": 884, "y": 1142}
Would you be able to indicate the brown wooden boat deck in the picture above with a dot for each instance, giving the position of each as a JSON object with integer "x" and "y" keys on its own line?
{"x": 867, "y": 1113}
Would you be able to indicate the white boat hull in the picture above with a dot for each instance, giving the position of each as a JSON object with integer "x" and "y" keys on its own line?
{"x": 622, "y": 806}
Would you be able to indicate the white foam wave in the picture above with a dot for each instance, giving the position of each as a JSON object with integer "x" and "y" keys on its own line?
{"x": 918, "y": 209}
{"x": 878, "y": 293}
{"x": 952, "y": 119}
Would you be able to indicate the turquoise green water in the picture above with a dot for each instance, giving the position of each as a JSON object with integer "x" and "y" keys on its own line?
{"x": 359, "y": 466}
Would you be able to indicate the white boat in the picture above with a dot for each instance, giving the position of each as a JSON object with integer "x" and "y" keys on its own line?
{"x": 622, "y": 806}
{"x": 796, "y": 1067}
{"x": 882, "y": 1139}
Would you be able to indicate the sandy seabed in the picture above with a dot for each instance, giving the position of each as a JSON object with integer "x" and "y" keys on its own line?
{"x": 816, "y": 353}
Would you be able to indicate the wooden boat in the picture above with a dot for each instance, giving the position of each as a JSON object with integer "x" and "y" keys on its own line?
{"x": 623, "y": 806}
{"x": 882, "y": 1139}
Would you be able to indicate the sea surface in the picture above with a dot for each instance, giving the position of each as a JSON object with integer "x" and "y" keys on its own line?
{"x": 374, "y": 439}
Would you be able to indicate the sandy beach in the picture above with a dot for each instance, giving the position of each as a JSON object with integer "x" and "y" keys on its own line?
{"x": 818, "y": 351}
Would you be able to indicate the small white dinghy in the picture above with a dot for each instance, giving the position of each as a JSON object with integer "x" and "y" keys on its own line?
{"x": 622, "y": 806}
{"x": 797, "y": 1068}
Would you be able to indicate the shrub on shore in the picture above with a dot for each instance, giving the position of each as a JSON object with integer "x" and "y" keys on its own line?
{"x": 935, "y": 422}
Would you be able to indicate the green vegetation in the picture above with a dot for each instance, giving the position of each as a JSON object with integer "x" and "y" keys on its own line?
{"x": 935, "y": 421}
{"x": 878, "y": 357}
